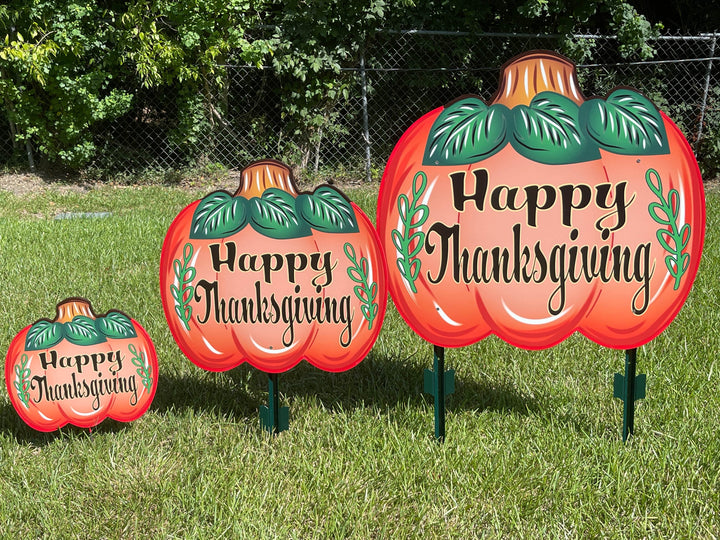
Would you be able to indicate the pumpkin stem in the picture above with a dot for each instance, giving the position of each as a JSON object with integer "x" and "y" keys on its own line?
{"x": 261, "y": 175}
{"x": 535, "y": 72}
{"x": 68, "y": 309}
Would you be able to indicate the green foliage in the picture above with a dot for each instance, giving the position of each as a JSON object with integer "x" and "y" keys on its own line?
{"x": 70, "y": 67}
{"x": 57, "y": 63}
{"x": 315, "y": 41}
{"x": 709, "y": 144}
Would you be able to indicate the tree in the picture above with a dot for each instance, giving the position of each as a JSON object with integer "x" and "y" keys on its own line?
{"x": 57, "y": 63}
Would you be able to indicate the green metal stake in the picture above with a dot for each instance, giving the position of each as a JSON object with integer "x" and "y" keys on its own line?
{"x": 439, "y": 383}
{"x": 274, "y": 418}
{"x": 629, "y": 388}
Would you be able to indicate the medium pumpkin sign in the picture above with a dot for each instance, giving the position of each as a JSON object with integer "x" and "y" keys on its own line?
{"x": 271, "y": 276}
{"x": 81, "y": 368}
{"x": 541, "y": 214}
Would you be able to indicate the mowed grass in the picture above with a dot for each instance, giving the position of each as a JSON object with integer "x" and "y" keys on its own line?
{"x": 533, "y": 445}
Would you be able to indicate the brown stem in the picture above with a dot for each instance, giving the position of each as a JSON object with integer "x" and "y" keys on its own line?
{"x": 528, "y": 75}
{"x": 68, "y": 309}
{"x": 261, "y": 175}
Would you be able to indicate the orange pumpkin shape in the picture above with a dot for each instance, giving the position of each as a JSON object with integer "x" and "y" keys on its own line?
{"x": 542, "y": 213}
{"x": 81, "y": 368}
{"x": 271, "y": 276}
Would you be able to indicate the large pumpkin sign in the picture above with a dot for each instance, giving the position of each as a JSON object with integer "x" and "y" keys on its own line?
{"x": 541, "y": 214}
{"x": 271, "y": 276}
{"x": 81, "y": 368}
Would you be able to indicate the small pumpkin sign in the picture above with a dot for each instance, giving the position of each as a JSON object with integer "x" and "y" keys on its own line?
{"x": 271, "y": 276}
{"x": 542, "y": 213}
{"x": 81, "y": 368}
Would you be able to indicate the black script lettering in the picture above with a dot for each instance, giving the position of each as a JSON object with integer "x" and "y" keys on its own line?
{"x": 445, "y": 234}
{"x": 229, "y": 260}
{"x": 559, "y": 264}
{"x": 272, "y": 263}
{"x": 458, "y": 187}
{"x": 618, "y": 205}
{"x": 322, "y": 263}
{"x": 289, "y": 310}
{"x": 567, "y": 200}
{"x": 536, "y": 198}
{"x": 79, "y": 361}
{"x": 81, "y": 389}
{"x": 211, "y": 299}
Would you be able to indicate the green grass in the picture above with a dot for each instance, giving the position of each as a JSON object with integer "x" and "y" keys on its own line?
{"x": 533, "y": 445}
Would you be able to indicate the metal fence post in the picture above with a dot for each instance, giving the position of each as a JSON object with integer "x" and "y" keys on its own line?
{"x": 705, "y": 92}
{"x": 366, "y": 123}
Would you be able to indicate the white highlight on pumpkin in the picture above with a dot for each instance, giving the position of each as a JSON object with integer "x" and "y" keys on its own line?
{"x": 444, "y": 316}
{"x": 210, "y": 347}
{"x": 560, "y": 83}
{"x": 44, "y": 417}
{"x": 82, "y": 413}
{"x": 533, "y": 322}
{"x": 542, "y": 72}
{"x": 509, "y": 84}
{"x": 272, "y": 351}
{"x": 574, "y": 88}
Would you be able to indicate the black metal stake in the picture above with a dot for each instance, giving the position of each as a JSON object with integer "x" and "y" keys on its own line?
{"x": 274, "y": 418}
{"x": 439, "y": 384}
{"x": 629, "y": 388}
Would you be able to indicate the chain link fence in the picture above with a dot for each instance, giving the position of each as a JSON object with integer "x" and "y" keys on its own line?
{"x": 400, "y": 76}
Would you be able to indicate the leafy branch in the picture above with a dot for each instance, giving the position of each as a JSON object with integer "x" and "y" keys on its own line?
{"x": 365, "y": 292}
{"x": 139, "y": 360}
{"x": 184, "y": 273}
{"x": 22, "y": 380}
{"x": 674, "y": 239}
{"x": 412, "y": 215}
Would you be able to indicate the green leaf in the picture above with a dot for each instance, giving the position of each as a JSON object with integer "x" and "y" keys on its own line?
{"x": 274, "y": 215}
{"x": 626, "y": 123}
{"x": 43, "y": 335}
{"x": 81, "y": 331}
{"x": 467, "y": 131}
{"x": 116, "y": 325}
{"x": 548, "y": 131}
{"x": 219, "y": 215}
{"x": 327, "y": 210}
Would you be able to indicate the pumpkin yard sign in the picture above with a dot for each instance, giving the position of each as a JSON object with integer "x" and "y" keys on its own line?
{"x": 81, "y": 368}
{"x": 542, "y": 213}
{"x": 271, "y": 276}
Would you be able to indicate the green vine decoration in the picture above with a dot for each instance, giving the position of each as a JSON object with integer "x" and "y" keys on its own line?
{"x": 139, "y": 360}
{"x": 672, "y": 238}
{"x": 413, "y": 215}
{"x": 22, "y": 380}
{"x": 365, "y": 292}
{"x": 184, "y": 273}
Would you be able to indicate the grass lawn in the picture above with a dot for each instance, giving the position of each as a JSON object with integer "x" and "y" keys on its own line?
{"x": 533, "y": 445}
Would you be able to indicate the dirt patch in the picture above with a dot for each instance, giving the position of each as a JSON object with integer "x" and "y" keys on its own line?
{"x": 21, "y": 184}
{"x": 24, "y": 184}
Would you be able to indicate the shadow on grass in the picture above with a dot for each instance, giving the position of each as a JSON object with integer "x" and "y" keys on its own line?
{"x": 385, "y": 383}
{"x": 379, "y": 382}
{"x": 12, "y": 424}
{"x": 208, "y": 391}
